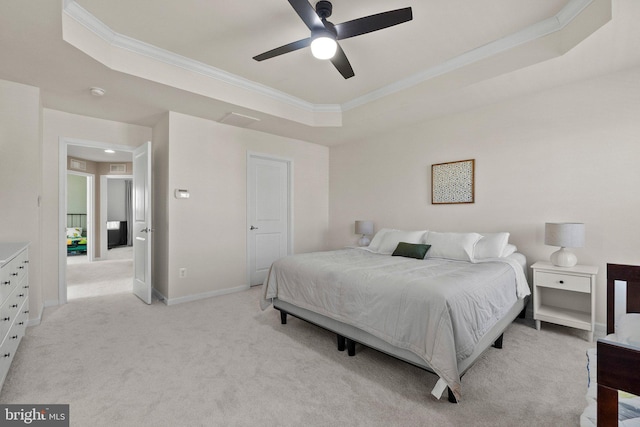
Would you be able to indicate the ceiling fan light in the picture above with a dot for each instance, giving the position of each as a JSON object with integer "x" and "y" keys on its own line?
{"x": 324, "y": 47}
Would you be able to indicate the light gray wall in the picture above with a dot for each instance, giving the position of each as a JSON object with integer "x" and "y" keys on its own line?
{"x": 115, "y": 200}
{"x": 21, "y": 178}
{"x": 76, "y": 193}
{"x": 207, "y": 232}
{"x": 566, "y": 154}
{"x": 56, "y": 125}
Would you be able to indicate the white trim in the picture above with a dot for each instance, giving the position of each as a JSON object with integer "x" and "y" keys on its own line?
{"x": 290, "y": 220}
{"x": 526, "y": 35}
{"x": 83, "y": 17}
{"x": 531, "y": 33}
{"x": 63, "y": 142}
{"x": 195, "y": 297}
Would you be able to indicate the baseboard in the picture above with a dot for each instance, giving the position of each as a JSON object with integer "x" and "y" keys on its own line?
{"x": 195, "y": 297}
{"x": 35, "y": 321}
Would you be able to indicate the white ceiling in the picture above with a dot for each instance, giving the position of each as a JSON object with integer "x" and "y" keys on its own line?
{"x": 453, "y": 56}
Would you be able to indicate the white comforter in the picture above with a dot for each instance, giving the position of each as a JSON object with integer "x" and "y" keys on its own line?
{"x": 438, "y": 309}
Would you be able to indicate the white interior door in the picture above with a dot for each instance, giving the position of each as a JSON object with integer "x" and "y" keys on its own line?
{"x": 142, "y": 226}
{"x": 268, "y": 204}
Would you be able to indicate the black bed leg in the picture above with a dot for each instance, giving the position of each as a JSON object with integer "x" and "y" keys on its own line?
{"x": 498, "y": 343}
{"x": 351, "y": 347}
{"x": 452, "y": 397}
{"x": 523, "y": 313}
{"x": 283, "y": 317}
{"x": 341, "y": 342}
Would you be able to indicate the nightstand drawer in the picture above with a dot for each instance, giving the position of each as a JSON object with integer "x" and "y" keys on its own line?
{"x": 563, "y": 281}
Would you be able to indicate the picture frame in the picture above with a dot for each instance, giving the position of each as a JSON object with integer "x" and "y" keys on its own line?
{"x": 453, "y": 182}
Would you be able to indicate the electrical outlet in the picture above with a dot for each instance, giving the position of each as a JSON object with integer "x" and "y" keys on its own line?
{"x": 182, "y": 272}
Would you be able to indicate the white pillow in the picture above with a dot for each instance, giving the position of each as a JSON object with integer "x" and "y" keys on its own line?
{"x": 391, "y": 238}
{"x": 491, "y": 245}
{"x": 509, "y": 250}
{"x": 458, "y": 246}
{"x": 74, "y": 231}
{"x": 628, "y": 329}
{"x": 377, "y": 239}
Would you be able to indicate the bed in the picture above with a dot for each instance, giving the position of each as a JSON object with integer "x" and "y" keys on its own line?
{"x": 614, "y": 365}
{"x": 439, "y": 313}
{"x": 76, "y": 233}
{"x": 76, "y": 242}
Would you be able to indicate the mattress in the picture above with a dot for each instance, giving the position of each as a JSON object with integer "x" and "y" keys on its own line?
{"x": 438, "y": 309}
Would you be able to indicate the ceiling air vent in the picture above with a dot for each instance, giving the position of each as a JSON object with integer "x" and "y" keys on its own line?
{"x": 240, "y": 120}
{"x": 118, "y": 168}
{"x": 78, "y": 164}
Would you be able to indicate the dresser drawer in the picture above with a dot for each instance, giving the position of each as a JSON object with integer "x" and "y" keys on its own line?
{"x": 10, "y": 309}
{"x": 8, "y": 280}
{"x": 563, "y": 281}
{"x": 8, "y": 350}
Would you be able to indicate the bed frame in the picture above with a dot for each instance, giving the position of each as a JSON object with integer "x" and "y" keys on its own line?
{"x": 348, "y": 336}
{"x": 618, "y": 363}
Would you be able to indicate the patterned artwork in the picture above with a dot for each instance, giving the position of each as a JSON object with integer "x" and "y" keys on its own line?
{"x": 452, "y": 182}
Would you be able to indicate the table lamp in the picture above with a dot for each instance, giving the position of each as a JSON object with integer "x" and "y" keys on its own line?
{"x": 365, "y": 228}
{"x": 565, "y": 235}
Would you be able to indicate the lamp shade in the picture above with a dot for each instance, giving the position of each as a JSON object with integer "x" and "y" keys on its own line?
{"x": 364, "y": 227}
{"x": 564, "y": 234}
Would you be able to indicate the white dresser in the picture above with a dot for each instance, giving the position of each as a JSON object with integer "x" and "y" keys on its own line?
{"x": 14, "y": 301}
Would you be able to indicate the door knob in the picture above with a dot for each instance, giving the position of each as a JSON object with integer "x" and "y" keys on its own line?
{"x": 253, "y": 228}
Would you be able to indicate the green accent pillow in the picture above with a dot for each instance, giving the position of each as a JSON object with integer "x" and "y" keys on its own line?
{"x": 411, "y": 250}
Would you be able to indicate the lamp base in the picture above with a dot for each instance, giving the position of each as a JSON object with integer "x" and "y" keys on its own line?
{"x": 364, "y": 241}
{"x": 563, "y": 258}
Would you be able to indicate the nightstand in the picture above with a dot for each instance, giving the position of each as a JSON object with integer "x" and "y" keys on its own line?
{"x": 564, "y": 295}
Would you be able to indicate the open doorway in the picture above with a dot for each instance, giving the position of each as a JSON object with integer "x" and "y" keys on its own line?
{"x": 99, "y": 260}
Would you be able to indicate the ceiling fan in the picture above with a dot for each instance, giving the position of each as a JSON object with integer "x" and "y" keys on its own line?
{"x": 324, "y": 34}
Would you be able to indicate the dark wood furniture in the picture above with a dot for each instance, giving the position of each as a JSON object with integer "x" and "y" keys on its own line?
{"x": 618, "y": 364}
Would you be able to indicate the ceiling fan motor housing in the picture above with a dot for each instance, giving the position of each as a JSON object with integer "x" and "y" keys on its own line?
{"x": 324, "y": 9}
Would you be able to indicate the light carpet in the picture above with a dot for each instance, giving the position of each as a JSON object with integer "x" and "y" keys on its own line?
{"x": 102, "y": 277}
{"x": 223, "y": 362}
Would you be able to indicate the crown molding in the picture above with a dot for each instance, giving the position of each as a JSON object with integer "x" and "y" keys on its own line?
{"x": 89, "y": 21}
{"x": 531, "y": 33}
{"x": 534, "y": 32}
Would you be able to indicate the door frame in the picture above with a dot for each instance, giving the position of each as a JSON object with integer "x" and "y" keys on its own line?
{"x": 63, "y": 142}
{"x": 289, "y": 164}
{"x": 104, "y": 204}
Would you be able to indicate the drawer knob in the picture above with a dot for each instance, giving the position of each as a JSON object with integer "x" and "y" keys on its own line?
{"x": 26, "y": 312}
{"x": 21, "y": 295}
{"x": 8, "y": 282}
{"x": 21, "y": 267}
{"x": 561, "y": 281}
{"x": 14, "y": 274}
{"x": 14, "y": 306}
{"x": 26, "y": 262}
{"x": 20, "y": 323}
{"x": 15, "y": 337}
{"x": 6, "y": 319}
{"x": 7, "y": 355}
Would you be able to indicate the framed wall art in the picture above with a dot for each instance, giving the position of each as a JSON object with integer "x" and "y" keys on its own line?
{"x": 453, "y": 182}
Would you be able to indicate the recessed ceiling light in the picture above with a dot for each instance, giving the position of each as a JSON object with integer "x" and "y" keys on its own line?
{"x": 109, "y": 151}
{"x": 97, "y": 91}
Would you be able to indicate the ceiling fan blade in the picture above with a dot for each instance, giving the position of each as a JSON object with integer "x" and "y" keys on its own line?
{"x": 372, "y": 23}
{"x": 307, "y": 13}
{"x": 342, "y": 64}
{"x": 284, "y": 49}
